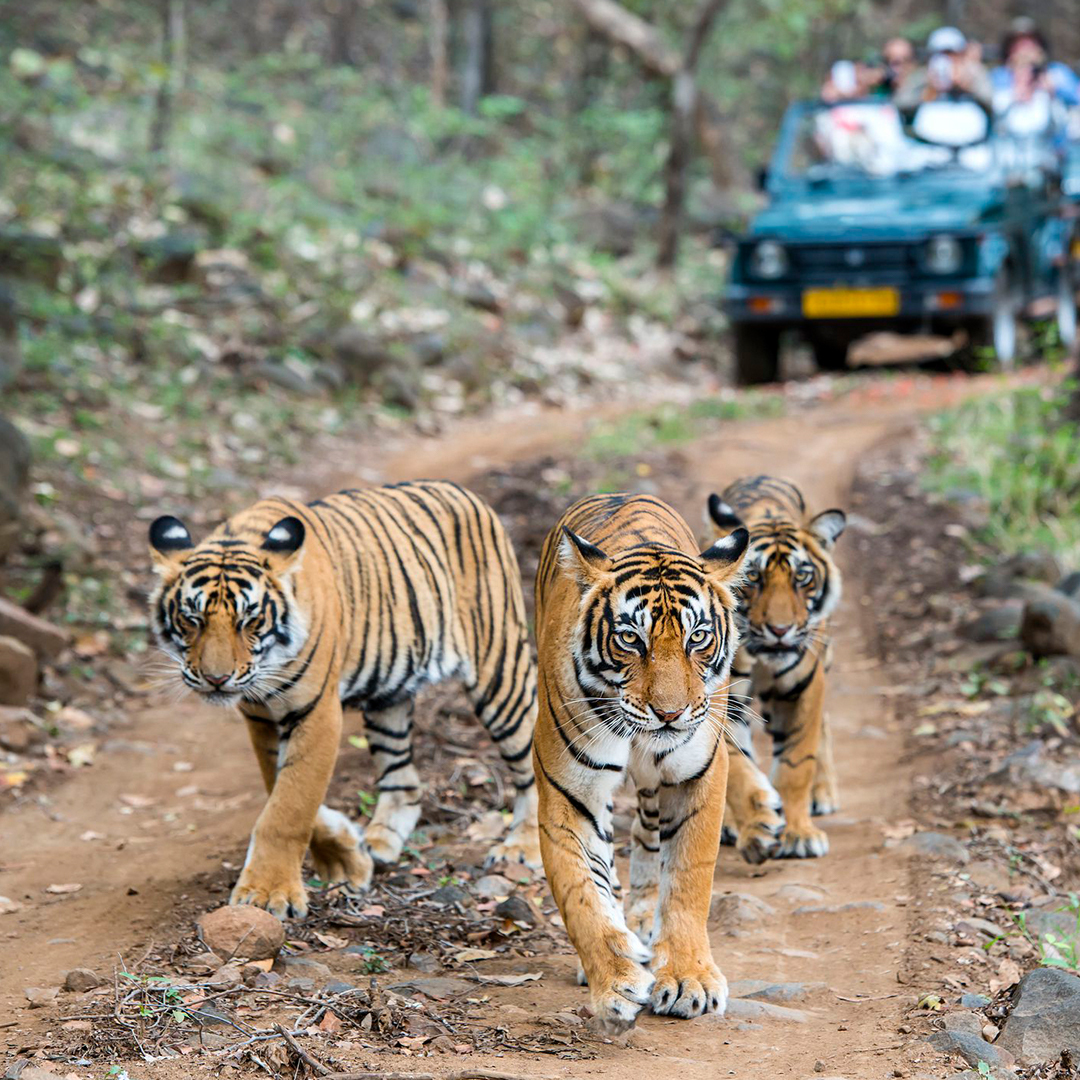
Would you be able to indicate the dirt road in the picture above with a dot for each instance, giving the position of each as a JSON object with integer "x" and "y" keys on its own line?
{"x": 154, "y": 831}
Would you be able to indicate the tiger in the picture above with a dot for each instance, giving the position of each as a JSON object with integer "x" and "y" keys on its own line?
{"x": 789, "y": 591}
{"x": 294, "y": 612}
{"x": 636, "y": 632}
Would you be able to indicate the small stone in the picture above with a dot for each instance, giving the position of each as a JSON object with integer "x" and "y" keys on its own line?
{"x": 493, "y": 885}
{"x": 304, "y": 985}
{"x": 990, "y": 1032}
{"x": 436, "y": 986}
{"x": 937, "y": 846}
{"x": 517, "y": 909}
{"x": 243, "y": 931}
{"x": 20, "y": 730}
{"x": 763, "y": 990}
{"x": 251, "y": 971}
{"x": 18, "y": 672}
{"x": 837, "y": 909}
{"x": 746, "y": 1009}
{"x": 974, "y": 1001}
{"x": 336, "y": 986}
{"x": 227, "y": 975}
{"x": 303, "y": 966}
{"x": 515, "y": 1012}
{"x": 9, "y": 906}
{"x": 972, "y": 1048}
{"x": 205, "y": 960}
{"x": 820, "y": 1066}
{"x": 804, "y": 894}
{"x": 967, "y": 1022}
{"x": 451, "y": 894}
{"x": 266, "y": 980}
{"x": 736, "y": 909}
{"x": 41, "y": 996}
{"x": 424, "y": 961}
{"x": 79, "y": 980}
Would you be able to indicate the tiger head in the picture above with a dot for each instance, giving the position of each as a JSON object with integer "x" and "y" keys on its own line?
{"x": 225, "y": 610}
{"x": 655, "y": 632}
{"x": 790, "y": 584}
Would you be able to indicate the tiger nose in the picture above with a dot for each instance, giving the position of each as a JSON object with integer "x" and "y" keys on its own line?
{"x": 667, "y": 717}
{"x": 216, "y": 680}
{"x": 779, "y": 631}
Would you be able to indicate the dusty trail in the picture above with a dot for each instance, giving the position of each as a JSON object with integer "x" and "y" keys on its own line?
{"x": 143, "y": 872}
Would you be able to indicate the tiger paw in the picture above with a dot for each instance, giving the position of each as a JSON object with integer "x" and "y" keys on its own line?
{"x": 807, "y": 842}
{"x": 689, "y": 989}
{"x": 641, "y": 915}
{"x": 823, "y": 801}
{"x": 617, "y": 1000}
{"x": 337, "y": 854}
{"x": 283, "y": 896}
{"x": 384, "y": 844}
{"x": 520, "y": 845}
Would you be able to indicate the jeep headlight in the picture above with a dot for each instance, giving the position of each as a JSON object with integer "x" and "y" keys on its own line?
{"x": 944, "y": 255}
{"x": 768, "y": 260}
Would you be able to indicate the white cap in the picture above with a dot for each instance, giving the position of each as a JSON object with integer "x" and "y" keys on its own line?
{"x": 946, "y": 39}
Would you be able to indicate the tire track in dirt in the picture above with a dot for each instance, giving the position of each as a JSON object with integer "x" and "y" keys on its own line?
{"x": 142, "y": 875}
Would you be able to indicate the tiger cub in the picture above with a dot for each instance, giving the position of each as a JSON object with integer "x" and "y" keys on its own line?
{"x": 636, "y": 633}
{"x": 292, "y": 612}
{"x": 789, "y": 589}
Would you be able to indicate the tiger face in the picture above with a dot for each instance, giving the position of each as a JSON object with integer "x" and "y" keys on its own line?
{"x": 225, "y": 611}
{"x": 790, "y": 583}
{"x": 655, "y": 632}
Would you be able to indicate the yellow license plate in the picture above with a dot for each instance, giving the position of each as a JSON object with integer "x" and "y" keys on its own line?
{"x": 850, "y": 303}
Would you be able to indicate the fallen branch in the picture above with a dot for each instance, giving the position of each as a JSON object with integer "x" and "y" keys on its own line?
{"x": 314, "y": 1064}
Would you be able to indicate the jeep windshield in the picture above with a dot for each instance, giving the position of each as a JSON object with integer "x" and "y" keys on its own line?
{"x": 823, "y": 143}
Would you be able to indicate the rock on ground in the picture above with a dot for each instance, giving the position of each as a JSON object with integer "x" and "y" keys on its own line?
{"x": 1051, "y": 624}
{"x": 79, "y": 980}
{"x": 243, "y": 931}
{"x": 18, "y": 672}
{"x": 748, "y": 1009}
{"x": 1045, "y": 1019}
{"x": 19, "y": 730}
{"x": 972, "y": 1048}
{"x": 736, "y": 909}
{"x": 937, "y": 846}
{"x": 45, "y": 639}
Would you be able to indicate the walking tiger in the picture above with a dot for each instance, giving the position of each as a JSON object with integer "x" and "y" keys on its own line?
{"x": 291, "y": 612}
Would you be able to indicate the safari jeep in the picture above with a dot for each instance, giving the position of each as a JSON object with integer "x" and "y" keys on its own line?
{"x": 941, "y": 224}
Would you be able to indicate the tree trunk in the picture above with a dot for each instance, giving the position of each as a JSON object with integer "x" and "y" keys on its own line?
{"x": 684, "y": 110}
{"x": 476, "y": 77}
{"x": 440, "y": 25}
{"x": 173, "y": 50}
{"x": 341, "y": 15}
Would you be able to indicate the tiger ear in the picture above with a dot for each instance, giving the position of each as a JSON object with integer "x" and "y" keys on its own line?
{"x": 584, "y": 560}
{"x": 170, "y": 542}
{"x": 722, "y": 514}
{"x": 828, "y": 526}
{"x": 283, "y": 545}
{"x": 723, "y": 559}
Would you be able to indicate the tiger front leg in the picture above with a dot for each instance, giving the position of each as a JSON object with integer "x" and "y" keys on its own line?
{"x": 825, "y": 794}
{"x": 644, "y": 865}
{"x": 272, "y": 877}
{"x": 576, "y": 845}
{"x": 753, "y": 804}
{"x": 389, "y": 733}
{"x": 688, "y": 981}
{"x": 796, "y": 750}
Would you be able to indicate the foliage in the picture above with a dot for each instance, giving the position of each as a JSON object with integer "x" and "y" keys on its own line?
{"x": 1018, "y": 457}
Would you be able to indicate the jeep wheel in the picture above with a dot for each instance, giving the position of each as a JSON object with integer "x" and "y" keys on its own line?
{"x": 1000, "y": 330}
{"x": 830, "y": 354}
{"x": 757, "y": 354}
{"x": 1066, "y": 306}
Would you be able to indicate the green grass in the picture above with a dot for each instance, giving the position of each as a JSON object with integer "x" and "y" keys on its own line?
{"x": 672, "y": 425}
{"x": 1014, "y": 454}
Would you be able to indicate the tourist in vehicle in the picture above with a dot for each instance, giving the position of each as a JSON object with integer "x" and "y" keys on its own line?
{"x": 1026, "y": 68}
{"x": 954, "y": 66}
{"x": 900, "y": 63}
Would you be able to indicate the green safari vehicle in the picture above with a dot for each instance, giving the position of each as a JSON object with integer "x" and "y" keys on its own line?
{"x": 932, "y": 224}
